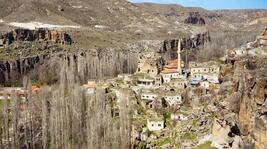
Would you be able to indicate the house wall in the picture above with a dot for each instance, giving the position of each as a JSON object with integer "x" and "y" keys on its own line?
{"x": 158, "y": 81}
{"x": 147, "y": 84}
{"x": 240, "y": 52}
{"x": 173, "y": 100}
{"x": 177, "y": 84}
{"x": 148, "y": 96}
{"x": 263, "y": 42}
{"x": 205, "y": 84}
{"x": 213, "y": 78}
{"x": 167, "y": 77}
{"x": 200, "y": 70}
{"x": 155, "y": 125}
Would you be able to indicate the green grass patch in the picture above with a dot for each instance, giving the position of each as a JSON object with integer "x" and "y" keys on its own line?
{"x": 195, "y": 123}
{"x": 167, "y": 118}
{"x": 142, "y": 145}
{"x": 189, "y": 136}
{"x": 165, "y": 141}
{"x": 206, "y": 145}
{"x": 119, "y": 81}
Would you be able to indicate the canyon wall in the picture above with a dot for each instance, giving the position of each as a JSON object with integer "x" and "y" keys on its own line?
{"x": 89, "y": 64}
{"x": 54, "y": 36}
{"x": 168, "y": 49}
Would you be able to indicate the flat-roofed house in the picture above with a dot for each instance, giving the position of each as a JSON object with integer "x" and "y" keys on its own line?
{"x": 155, "y": 124}
{"x": 169, "y": 74}
{"x": 146, "y": 83}
{"x": 149, "y": 96}
{"x": 173, "y": 98}
{"x": 179, "y": 83}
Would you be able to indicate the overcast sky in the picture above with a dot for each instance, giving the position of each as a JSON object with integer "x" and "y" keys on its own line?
{"x": 215, "y": 4}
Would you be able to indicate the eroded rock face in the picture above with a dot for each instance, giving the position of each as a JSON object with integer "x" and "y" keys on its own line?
{"x": 195, "y": 18}
{"x": 169, "y": 47}
{"x": 260, "y": 132}
{"x": 57, "y": 37}
{"x": 249, "y": 100}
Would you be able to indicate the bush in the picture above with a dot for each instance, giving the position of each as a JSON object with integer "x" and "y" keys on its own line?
{"x": 206, "y": 145}
{"x": 189, "y": 136}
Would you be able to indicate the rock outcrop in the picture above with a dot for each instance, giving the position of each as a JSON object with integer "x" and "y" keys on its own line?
{"x": 54, "y": 36}
{"x": 249, "y": 100}
{"x": 169, "y": 47}
{"x": 195, "y": 18}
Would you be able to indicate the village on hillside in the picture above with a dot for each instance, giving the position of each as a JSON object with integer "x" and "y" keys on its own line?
{"x": 171, "y": 103}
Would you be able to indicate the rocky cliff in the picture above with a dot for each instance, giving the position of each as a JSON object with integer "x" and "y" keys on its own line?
{"x": 195, "y": 18}
{"x": 90, "y": 64}
{"x": 54, "y": 36}
{"x": 169, "y": 47}
{"x": 248, "y": 100}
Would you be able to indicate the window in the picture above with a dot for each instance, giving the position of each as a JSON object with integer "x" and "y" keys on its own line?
{"x": 152, "y": 125}
{"x": 159, "y": 125}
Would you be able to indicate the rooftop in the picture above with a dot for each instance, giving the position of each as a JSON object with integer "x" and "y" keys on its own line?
{"x": 169, "y": 71}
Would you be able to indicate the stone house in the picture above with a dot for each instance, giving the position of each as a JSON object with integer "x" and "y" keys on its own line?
{"x": 155, "y": 124}
{"x": 149, "y": 64}
{"x": 173, "y": 99}
{"x": 148, "y": 96}
{"x": 178, "y": 83}
{"x": 203, "y": 68}
{"x": 158, "y": 80}
{"x": 155, "y": 104}
{"x": 240, "y": 52}
{"x": 147, "y": 83}
{"x": 213, "y": 78}
{"x": 169, "y": 74}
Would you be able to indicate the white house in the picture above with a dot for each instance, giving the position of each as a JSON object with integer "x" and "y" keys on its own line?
{"x": 148, "y": 96}
{"x": 146, "y": 83}
{"x": 173, "y": 99}
{"x": 240, "y": 51}
{"x": 169, "y": 74}
{"x": 155, "y": 124}
{"x": 213, "y": 78}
